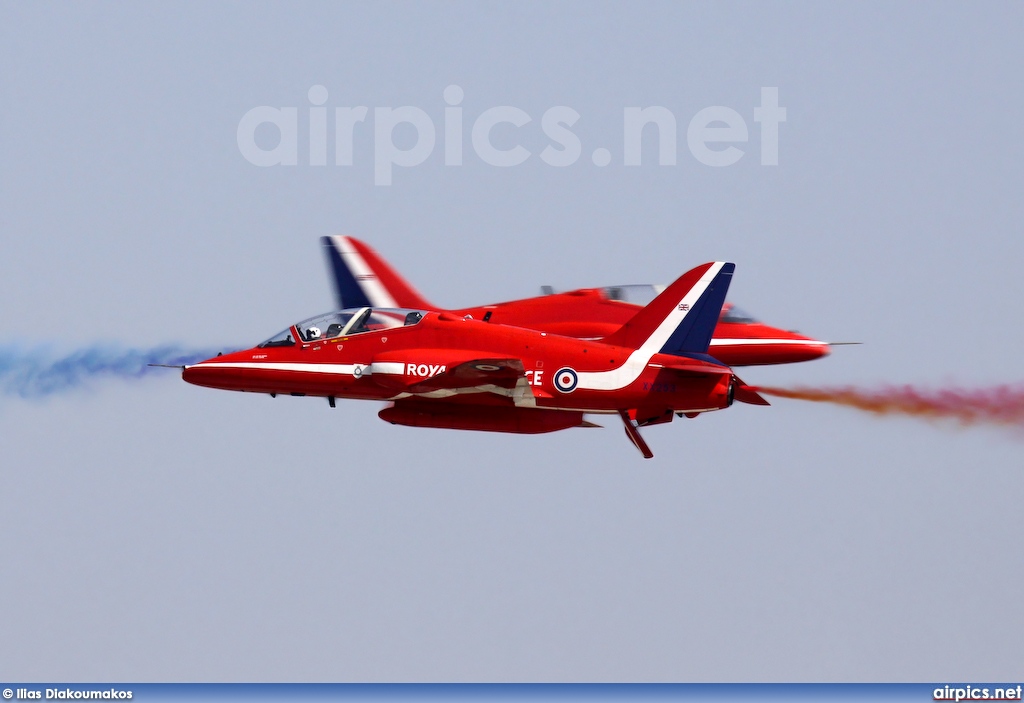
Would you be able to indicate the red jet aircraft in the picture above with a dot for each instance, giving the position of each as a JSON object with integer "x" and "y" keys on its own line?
{"x": 453, "y": 371}
{"x": 363, "y": 278}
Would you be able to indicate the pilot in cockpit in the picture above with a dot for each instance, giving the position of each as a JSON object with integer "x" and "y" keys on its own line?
{"x": 312, "y": 333}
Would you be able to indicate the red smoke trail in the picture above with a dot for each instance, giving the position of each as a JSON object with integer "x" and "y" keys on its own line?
{"x": 997, "y": 405}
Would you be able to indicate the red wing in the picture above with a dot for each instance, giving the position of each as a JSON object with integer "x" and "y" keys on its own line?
{"x": 502, "y": 373}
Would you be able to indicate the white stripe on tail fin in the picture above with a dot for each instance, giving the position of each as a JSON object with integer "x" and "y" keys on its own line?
{"x": 363, "y": 279}
{"x": 680, "y": 320}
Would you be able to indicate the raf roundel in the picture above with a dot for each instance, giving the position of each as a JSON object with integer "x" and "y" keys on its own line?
{"x": 566, "y": 380}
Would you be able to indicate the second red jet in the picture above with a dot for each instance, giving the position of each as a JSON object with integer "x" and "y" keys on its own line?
{"x": 362, "y": 277}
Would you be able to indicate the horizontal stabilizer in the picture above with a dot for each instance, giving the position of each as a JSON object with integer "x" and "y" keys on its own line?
{"x": 747, "y": 394}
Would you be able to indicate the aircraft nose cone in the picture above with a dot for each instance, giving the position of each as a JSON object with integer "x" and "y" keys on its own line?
{"x": 192, "y": 374}
{"x": 816, "y": 349}
{"x": 231, "y": 372}
{"x": 810, "y": 348}
{"x": 202, "y": 374}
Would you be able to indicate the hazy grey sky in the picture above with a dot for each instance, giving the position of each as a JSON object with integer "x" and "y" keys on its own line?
{"x": 159, "y": 531}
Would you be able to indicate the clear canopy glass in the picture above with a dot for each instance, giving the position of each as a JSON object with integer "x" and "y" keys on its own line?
{"x": 637, "y": 294}
{"x": 345, "y": 323}
{"x": 281, "y": 339}
{"x": 737, "y": 316}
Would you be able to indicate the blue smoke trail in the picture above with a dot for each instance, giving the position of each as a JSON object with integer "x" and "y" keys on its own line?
{"x": 37, "y": 373}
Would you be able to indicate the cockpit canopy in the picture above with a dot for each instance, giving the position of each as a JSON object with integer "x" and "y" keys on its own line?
{"x": 736, "y": 316}
{"x": 345, "y": 323}
{"x": 637, "y": 294}
{"x": 642, "y": 294}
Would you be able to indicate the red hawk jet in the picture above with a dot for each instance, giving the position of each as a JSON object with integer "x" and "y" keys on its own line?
{"x": 440, "y": 369}
{"x": 362, "y": 277}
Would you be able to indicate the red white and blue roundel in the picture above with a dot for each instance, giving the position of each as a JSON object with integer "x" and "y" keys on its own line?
{"x": 566, "y": 380}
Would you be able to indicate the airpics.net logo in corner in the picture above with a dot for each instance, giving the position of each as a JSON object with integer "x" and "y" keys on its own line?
{"x": 712, "y": 134}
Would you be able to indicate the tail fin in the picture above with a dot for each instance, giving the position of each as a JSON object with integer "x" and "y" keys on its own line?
{"x": 363, "y": 279}
{"x": 682, "y": 319}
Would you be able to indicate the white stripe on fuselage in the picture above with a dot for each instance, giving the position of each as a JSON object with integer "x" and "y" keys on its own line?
{"x": 392, "y": 368}
{"x": 366, "y": 279}
{"x": 347, "y": 369}
{"x": 765, "y": 341}
{"x": 636, "y": 363}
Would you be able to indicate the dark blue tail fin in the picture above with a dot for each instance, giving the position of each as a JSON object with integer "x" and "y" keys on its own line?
{"x": 693, "y": 335}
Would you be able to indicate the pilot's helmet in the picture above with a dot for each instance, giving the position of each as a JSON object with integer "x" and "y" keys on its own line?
{"x": 313, "y": 333}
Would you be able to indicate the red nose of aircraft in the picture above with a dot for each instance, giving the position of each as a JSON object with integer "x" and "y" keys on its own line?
{"x": 755, "y": 344}
{"x": 220, "y": 372}
{"x": 795, "y": 347}
{"x": 199, "y": 374}
{"x": 191, "y": 374}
